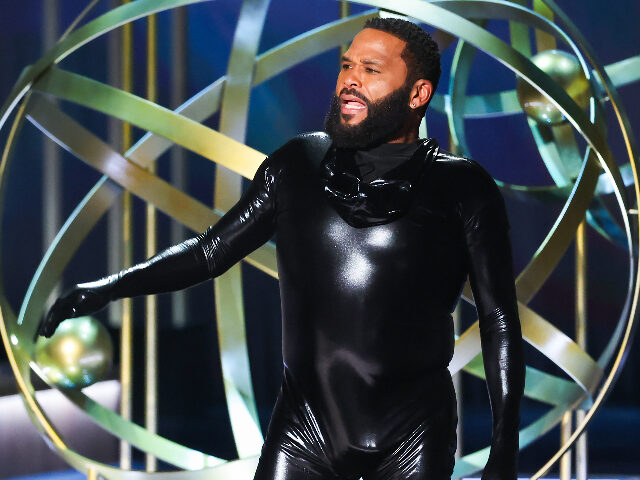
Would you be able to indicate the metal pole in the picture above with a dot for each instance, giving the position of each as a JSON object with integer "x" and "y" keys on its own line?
{"x": 345, "y": 11}
{"x": 51, "y": 171}
{"x": 581, "y": 337}
{"x": 544, "y": 40}
{"x": 457, "y": 378}
{"x": 178, "y": 157}
{"x": 565, "y": 433}
{"x": 114, "y": 133}
{"x": 457, "y": 385}
{"x": 227, "y": 190}
{"x": 126, "y": 333}
{"x": 151, "y": 320}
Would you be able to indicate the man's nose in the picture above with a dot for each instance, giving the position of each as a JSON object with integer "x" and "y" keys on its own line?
{"x": 351, "y": 79}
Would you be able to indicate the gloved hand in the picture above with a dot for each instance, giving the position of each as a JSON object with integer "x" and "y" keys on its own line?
{"x": 78, "y": 301}
{"x": 503, "y": 461}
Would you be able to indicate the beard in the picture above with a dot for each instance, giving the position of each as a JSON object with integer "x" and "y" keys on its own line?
{"x": 385, "y": 119}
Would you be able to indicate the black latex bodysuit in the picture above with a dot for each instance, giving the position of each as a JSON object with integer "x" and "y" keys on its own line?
{"x": 369, "y": 275}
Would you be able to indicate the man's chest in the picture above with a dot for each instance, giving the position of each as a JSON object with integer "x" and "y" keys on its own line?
{"x": 308, "y": 223}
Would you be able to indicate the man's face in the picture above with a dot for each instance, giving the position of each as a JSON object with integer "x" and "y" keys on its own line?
{"x": 371, "y": 101}
{"x": 371, "y": 69}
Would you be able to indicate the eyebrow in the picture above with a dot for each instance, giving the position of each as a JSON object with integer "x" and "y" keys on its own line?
{"x": 366, "y": 61}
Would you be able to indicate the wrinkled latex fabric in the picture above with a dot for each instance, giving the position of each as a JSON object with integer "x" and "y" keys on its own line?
{"x": 381, "y": 200}
{"x": 369, "y": 275}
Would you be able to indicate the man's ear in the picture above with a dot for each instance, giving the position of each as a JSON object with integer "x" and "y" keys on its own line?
{"x": 421, "y": 93}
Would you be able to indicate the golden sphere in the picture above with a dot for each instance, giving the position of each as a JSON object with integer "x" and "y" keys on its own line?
{"x": 565, "y": 69}
{"x": 78, "y": 354}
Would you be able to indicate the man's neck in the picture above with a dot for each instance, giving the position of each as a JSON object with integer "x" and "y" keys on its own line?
{"x": 407, "y": 135}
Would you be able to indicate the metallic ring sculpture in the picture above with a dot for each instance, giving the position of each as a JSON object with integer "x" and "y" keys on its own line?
{"x": 578, "y": 184}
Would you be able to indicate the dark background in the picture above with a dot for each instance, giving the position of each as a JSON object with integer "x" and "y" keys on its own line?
{"x": 192, "y": 407}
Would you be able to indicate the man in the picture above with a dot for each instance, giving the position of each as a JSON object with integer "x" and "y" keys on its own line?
{"x": 376, "y": 234}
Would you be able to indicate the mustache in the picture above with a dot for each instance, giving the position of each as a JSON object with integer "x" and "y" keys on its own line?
{"x": 355, "y": 93}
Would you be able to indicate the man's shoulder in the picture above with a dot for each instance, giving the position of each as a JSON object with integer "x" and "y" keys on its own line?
{"x": 457, "y": 164}
{"x": 305, "y": 149}
{"x": 309, "y": 144}
{"x": 464, "y": 177}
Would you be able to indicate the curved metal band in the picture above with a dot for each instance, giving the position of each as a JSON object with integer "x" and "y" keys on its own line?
{"x": 311, "y": 43}
{"x": 632, "y": 238}
{"x": 570, "y": 357}
{"x": 560, "y": 153}
{"x": 476, "y": 461}
{"x": 553, "y": 247}
{"x": 229, "y": 303}
{"x": 183, "y": 131}
{"x": 7, "y": 155}
{"x": 546, "y": 338}
{"x": 561, "y": 349}
{"x": 502, "y": 103}
{"x": 539, "y": 385}
{"x": 101, "y": 25}
{"x": 458, "y": 80}
{"x": 634, "y": 283}
{"x": 445, "y": 20}
{"x": 70, "y": 135}
{"x": 555, "y": 244}
{"x": 89, "y": 148}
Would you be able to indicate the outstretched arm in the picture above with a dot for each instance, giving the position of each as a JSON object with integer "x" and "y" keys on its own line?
{"x": 245, "y": 227}
{"x": 492, "y": 282}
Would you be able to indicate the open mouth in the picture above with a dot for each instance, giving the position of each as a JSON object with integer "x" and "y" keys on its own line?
{"x": 351, "y": 105}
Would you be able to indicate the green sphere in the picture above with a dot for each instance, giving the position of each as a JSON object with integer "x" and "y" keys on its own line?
{"x": 78, "y": 354}
{"x": 565, "y": 69}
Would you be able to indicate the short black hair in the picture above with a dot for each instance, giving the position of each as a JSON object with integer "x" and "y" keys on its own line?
{"x": 421, "y": 54}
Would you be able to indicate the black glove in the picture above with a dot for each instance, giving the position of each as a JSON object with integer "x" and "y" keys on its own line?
{"x": 503, "y": 462}
{"x": 75, "y": 303}
{"x": 173, "y": 269}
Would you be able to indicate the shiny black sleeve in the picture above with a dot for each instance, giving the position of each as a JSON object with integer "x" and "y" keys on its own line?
{"x": 241, "y": 230}
{"x": 245, "y": 227}
{"x": 492, "y": 281}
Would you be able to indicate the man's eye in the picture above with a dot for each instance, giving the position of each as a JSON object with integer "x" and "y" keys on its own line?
{"x": 345, "y": 66}
{"x": 371, "y": 70}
